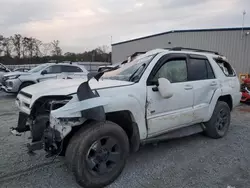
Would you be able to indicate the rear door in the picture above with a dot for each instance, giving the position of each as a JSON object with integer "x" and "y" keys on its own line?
{"x": 201, "y": 75}
{"x": 72, "y": 71}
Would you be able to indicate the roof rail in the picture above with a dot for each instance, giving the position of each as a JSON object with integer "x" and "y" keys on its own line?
{"x": 193, "y": 49}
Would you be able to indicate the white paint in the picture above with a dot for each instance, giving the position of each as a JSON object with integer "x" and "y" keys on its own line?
{"x": 165, "y": 88}
{"x": 164, "y": 114}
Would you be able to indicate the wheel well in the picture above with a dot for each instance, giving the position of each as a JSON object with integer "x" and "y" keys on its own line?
{"x": 126, "y": 121}
{"x": 122, "y": 118}
{"x": 227, "y": 99}
{"x": 26, "y": 82}
{"x": 29, "y": 82}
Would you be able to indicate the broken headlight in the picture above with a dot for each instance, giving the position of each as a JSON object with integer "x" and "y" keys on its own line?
{"x": 58, "y": 103}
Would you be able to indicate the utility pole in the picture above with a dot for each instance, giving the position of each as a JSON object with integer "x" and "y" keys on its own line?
{"x": 243, "y": 24}
{"x": 111, "y": 40}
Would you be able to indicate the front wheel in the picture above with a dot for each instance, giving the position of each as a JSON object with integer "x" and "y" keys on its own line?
{"x": 218, "y": 125}
{"x": 100, "y": 154}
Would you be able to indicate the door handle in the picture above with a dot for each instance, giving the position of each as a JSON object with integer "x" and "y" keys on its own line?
{"x": 188, "y": 87}
{"x": 155, "y": 89}
{"x": 213, "y": 84}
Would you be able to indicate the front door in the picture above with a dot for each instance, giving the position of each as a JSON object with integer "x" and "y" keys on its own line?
{"x": 51, "y": 73}
{"x": 177, "y": 111}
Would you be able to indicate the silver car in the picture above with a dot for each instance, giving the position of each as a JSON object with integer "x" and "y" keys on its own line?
{"x": 13, "y": 82}
{"x": 3, "y": 70}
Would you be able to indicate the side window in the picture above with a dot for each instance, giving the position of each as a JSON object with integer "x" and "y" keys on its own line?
{"x": 197, "y": 69}
{"x": 68, "y": 68}
{"x": 54, "y": 69}
{"x": 210, "y": 72}
{"x": 174, "y": 70}
{"x": 200, "y": 69}
{"x": 225, "y": 67}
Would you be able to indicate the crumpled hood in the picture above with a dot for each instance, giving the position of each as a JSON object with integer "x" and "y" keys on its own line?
{"x": 16, "y": 73}
{"x": 67, "y": 86}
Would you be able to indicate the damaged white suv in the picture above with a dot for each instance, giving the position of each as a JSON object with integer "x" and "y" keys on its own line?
{"x": 97, "y": 122}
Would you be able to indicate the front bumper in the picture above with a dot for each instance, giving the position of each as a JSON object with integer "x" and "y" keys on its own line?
{"x": 11, "y": 86}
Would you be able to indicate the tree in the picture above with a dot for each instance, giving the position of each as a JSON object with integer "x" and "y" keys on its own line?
{"x": 25, "y": 44}
{"x": 37, "y": 46}
{"x": 1, "y": 44}
{"x": 46, "y": 49}
{"x": 7, "y": 46}
{"x": 31, "y": 46}
{"x": 17, "y": 43}
{"x": 56, "y": 50}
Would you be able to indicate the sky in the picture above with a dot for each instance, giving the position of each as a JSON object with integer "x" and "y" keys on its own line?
{"x": 82, "y": 25}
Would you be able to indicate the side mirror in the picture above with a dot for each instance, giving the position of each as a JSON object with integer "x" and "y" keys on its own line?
{"x": 165, "y": 88}
{"x": 44, "y": 72}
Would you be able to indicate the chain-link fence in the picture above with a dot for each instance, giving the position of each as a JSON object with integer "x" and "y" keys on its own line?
{"x": 90, "y": 66}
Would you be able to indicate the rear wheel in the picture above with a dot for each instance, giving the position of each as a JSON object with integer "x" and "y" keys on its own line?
{"x": 218, "y": 125}
{"x": 99, "y": 154}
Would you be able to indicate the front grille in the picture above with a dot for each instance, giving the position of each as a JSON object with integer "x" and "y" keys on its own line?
{"x": 26, "y": 94}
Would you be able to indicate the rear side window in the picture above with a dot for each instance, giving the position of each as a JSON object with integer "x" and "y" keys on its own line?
{"x": 225, "y": 67}
{"x": 199, "y": 69}
{"x": 54, "y": 69}
{"x": 67, "y": 68}
{"x": 210, "y": 72}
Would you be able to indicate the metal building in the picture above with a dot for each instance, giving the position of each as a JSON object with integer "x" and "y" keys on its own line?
{"x": 234, "y": 43}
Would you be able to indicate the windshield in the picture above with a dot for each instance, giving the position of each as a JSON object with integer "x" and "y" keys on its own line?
{"x": 38, "y": 68}
{"x": 128, "y": 71}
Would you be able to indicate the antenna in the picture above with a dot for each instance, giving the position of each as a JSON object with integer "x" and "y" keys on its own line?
{"x": 243, "y": 23}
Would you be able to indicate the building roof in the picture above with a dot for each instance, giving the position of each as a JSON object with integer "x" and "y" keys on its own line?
{"x": 183, "y": 31}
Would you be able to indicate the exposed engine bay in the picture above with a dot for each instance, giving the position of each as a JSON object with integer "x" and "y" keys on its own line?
{"x": 49, "y": 126}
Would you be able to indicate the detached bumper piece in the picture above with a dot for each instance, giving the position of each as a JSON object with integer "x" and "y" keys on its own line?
{"x": 52, "y": 142}
{"x": 22, "y": 123}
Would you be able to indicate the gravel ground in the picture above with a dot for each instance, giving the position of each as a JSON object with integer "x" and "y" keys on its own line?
{"x": 194, "y": 161}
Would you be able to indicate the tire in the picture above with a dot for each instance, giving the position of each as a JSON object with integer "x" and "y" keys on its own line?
{"x": 25, "y": 84}
{"x": 218, "y": 125}
{"x": 73, "y": 146}
{"x": 97, "y": 154}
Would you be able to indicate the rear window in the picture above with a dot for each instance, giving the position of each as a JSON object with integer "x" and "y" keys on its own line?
{"x": 68, "y": 68}
{"x": 225, "y": 67}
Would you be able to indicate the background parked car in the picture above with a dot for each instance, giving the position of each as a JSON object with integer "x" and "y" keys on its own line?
{"x": 3, "y": 71}
{"x": 21, "y": 70}
{"x": 13, "y": 82}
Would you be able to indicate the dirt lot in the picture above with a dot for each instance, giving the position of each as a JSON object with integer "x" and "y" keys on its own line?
{"x": 194, "y": 161}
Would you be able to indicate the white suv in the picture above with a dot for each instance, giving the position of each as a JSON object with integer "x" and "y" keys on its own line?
{"x": 163, "y": 94}
{"x": 13, "y": 82}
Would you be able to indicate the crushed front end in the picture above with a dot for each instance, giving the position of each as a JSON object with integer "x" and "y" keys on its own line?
{"x": 52, "y": 118}
{"x": 56, "y": 132}
{"x": 36, "y": 119}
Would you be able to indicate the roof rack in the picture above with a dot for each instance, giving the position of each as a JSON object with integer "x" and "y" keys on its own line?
{"x": 192, "y": 49}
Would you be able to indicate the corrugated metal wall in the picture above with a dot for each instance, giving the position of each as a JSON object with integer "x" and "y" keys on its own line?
{"x": 229, "y": 43}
